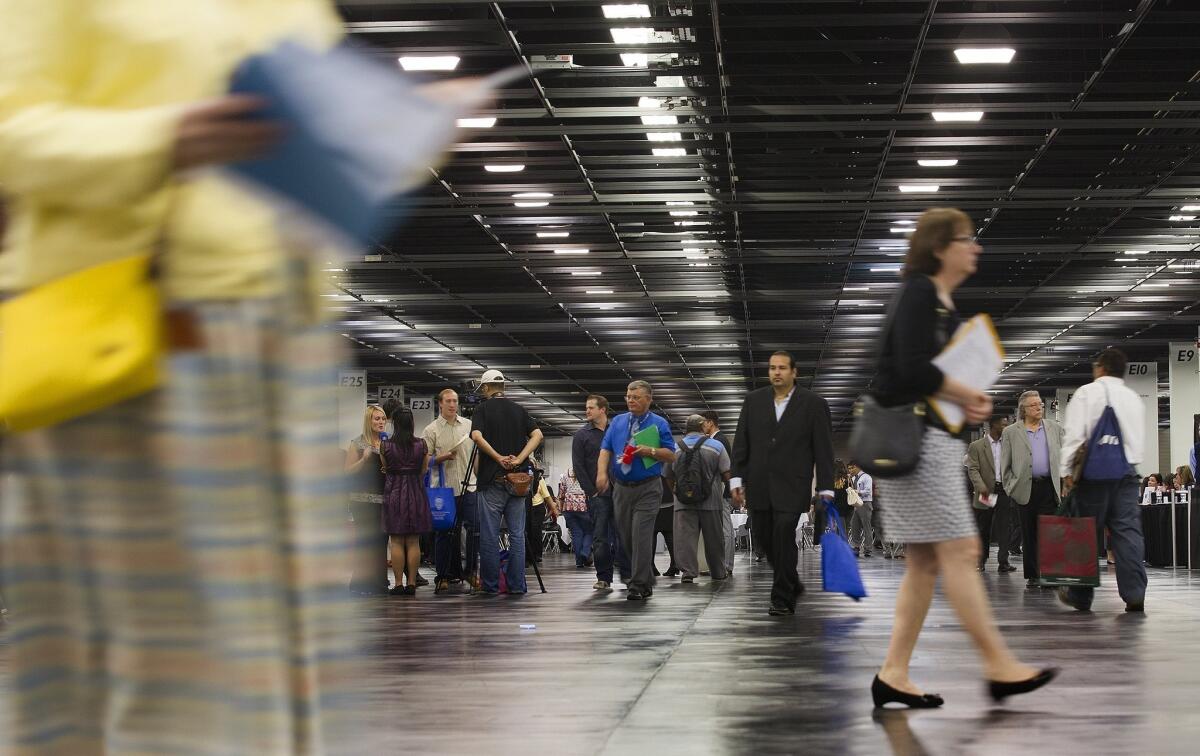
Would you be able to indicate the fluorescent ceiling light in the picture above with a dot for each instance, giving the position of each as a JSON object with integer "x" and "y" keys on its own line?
{"x": 957, "y": 115}
{"x": 969, "y": 55}
{"x": 900, "y": 229}
{"x": 669, "y": 81}
{"x": 513, "y": 168}
{"x": 585, "y": 272}
{"x": 553, "y": 234}
{"x": 684, "y": 213}
{"x": 1156, "y": 285}
{"x": 532, "y": 195}
{"x": 1190, "y": 208}
{"x": 905, "y": 223}
{"x": 599, "y": 291}
{"x": 857, "y": 288}
{"x": 531, "y": 204}
{"x": 669, "y": 152}
{"x": 680, "y": 203}
{"x": 1136, "y": 252}
{"x": 1085, "y": 291}
{"x": 429, "y": 62}
{"x": 937, "y": 163}
{"x": 1182, "y": 218}
{"x": 476, "y": 123}
{"x": 660, "y": 120}
{"x": 886, "y": 269}
{"x": 665, "y": 136}
{"x": 632, "y": 36}
{"x": 571, "y": 251}
{"x": 626, "y": 10}
{"x": 911, "y": 188}
{"x": 649, "y": 102}
{"x": 635, "y": 60}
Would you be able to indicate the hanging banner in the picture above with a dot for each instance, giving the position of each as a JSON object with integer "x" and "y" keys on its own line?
{"x": 1142, "y": 377}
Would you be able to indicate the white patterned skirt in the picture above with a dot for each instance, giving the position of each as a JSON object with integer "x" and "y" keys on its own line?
{"x": 174, "y": 567}
{"x": 931, "y": 503}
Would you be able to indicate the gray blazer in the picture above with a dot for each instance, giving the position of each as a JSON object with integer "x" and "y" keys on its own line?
{"x": 1016, "y": 459}
{"x": 980, "y": 469}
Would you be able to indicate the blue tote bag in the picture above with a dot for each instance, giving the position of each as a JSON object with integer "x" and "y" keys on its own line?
{"x": 839, "y": 568}
{"x": 441, "y": 500}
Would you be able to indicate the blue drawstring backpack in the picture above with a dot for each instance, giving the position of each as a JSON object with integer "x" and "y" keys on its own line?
{"x": 441, "y": 500}
{"x": 839, "y": 568}
{"x": 1106, "y": 448}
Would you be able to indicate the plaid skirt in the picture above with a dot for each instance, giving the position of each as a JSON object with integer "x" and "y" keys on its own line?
{"x": 931, "y": 503}
{"x": 175, "y": 566}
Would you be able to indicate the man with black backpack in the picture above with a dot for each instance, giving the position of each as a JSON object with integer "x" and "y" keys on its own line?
{"x": 1104, "y": 421}
{"x": 700, "y": 471}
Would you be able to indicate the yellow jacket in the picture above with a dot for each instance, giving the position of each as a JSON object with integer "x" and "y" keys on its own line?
{"x": 90, "y": 94}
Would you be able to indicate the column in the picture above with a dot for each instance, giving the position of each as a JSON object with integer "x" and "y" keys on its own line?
{"x": 1142, "y": 377}
{"x": 1184, "y": 374}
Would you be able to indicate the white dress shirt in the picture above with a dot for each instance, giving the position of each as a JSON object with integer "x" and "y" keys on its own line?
{"x": 1085, "y": 409}
{"x": 995, "y": 442}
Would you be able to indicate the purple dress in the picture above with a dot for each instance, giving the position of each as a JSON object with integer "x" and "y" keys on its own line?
{"x": 405, "y": 508}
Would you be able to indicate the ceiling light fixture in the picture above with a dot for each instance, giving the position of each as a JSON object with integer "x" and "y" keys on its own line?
{"x": 635, "y": 60}
{"x": 571, "y": 251}
{"x": 536, "y": 203}
{"x": 913, "y": 188}
{"x": 886, "y": 269}
{"x": 626, "y": 10}
{"x": 972, "y": 55}
{"x": 553, "y": 234}
{"x": 585, "y": 273}
{"x": 684, "y": 213}
{"x": 957, "y": 115}
{"x": 1182, "y": 218}
{"x": 429, "y": 62}
{"x": 665, "y": 136}
{"x": 476, "y": 123}
{"x": 669, "y": 152}
{"x": 1190, "y": 208}
{"x": 1136, "y": 252}
{"x": 937, "y": 163}
{"x": 901, "y": 229}
{"x": 857, "y": 288}
{"x": 512, "y": 168}
{"x": 905, "y": 223}
{"x": 660, "y": 120}
{"x": 599, "y": 291}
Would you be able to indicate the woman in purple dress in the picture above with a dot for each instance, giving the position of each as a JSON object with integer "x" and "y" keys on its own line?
{"x": 406, "y": 516}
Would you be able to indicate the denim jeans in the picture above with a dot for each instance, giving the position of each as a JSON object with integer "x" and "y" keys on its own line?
{"x": 494, "y": 502}
{"x": 1114, "y": 504}
{"x": 580, "y": 525}
{"x": 606, "y": 545}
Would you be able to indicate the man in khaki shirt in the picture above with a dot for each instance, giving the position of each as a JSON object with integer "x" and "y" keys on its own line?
{"x": 448, "y": 439}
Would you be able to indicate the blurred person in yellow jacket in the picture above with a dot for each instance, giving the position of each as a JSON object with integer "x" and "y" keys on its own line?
{"x": 174, "y": 565}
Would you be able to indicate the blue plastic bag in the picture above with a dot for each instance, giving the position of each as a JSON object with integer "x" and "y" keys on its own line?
{"x": 441, "y": 501}
{"x": 839, "y": 568}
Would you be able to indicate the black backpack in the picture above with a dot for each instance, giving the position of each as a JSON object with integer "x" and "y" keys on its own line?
{"x": 692, "y": 486}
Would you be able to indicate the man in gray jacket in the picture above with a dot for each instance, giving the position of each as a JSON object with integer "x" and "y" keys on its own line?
{"x": 695, "y": 517}
{"x": 1030, "y": 456}
{"x": 993, "y": 507}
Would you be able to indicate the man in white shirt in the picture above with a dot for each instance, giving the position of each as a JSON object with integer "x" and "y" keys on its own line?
{"x": 1112, "y": 502}
{"x": 862, "y": 534}
{"x": 448, "y": 440}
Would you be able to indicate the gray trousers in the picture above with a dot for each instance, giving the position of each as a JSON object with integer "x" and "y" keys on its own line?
{"x": 727, "y": 531}
{"x": 862, "y": 534}
{"x": 636, "y": 510}
{"x": 690, "y": 525}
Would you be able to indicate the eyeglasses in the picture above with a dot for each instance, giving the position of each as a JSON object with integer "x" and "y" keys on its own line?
{"x": 967, "y": 239}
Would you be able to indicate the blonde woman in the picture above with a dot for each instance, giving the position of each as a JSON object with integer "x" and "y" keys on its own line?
{"x": 365, "y": 481}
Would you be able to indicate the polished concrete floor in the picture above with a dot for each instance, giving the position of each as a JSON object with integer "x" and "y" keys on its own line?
{"x": 702, "y": 669}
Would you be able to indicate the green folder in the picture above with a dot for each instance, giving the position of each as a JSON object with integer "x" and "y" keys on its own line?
{"x": 648, "y": 436}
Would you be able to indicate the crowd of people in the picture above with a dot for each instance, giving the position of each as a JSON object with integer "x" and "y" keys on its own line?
{"x": 630, "y": 479}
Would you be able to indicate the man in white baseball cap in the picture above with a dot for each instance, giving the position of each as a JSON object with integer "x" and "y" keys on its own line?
{"x": 506, "y": 435}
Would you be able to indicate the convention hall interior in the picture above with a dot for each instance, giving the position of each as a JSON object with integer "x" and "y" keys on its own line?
{"x": 678, "y": 192}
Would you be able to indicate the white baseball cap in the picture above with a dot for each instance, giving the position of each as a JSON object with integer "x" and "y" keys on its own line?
{"x": 492, "y": 376}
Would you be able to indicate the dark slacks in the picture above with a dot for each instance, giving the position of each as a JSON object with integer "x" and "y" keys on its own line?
{"x": 606, "y": 545}
{"x": 370, "y": 549}
{"x": 775, "y": 532}
{"x": 447, "y": 544}
{"x": 995, "y": 522}
{"x": 1114, "y": 504}
{"x": 1042, "y": 501}
{"x": 665, "y": 523}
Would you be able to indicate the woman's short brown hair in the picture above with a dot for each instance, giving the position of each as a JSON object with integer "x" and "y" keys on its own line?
{"x": 936, "y": 229}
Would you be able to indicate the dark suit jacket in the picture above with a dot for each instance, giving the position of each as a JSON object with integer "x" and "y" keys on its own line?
{"x": 775, "y": 460}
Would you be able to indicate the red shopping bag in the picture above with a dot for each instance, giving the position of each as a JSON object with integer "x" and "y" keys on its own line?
{"x": 1067, "y": 551}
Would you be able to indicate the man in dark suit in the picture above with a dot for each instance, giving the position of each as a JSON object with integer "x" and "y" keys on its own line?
{"x": 784, "y": 431}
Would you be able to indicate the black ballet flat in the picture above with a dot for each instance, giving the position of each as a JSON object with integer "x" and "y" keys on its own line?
{"x": 884, "y": 694}
{"x": 1001, "y": 690}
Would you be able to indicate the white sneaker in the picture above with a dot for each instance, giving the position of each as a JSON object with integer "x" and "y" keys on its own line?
{"x": 600, "y": 585}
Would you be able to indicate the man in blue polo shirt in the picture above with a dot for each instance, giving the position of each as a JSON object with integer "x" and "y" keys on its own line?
{"x": 637, "y": 494}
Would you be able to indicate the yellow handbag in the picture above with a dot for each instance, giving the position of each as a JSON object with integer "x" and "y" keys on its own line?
{"x": 80, "y": 343}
